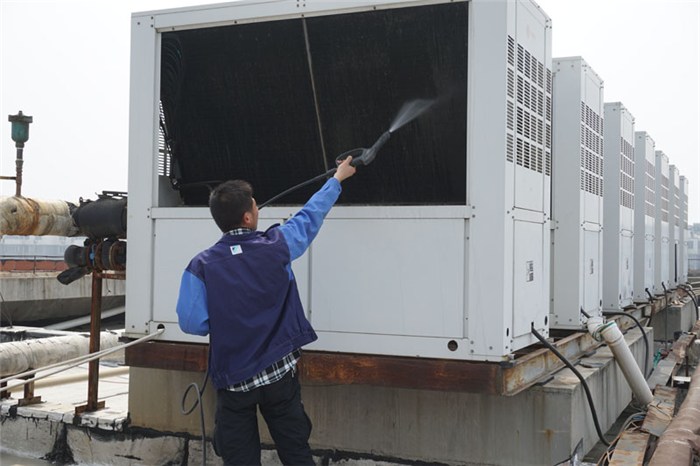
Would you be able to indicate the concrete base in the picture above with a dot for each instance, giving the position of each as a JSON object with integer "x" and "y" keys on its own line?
{"x": 678, "y": 317}
{"x": 542, "y": 425}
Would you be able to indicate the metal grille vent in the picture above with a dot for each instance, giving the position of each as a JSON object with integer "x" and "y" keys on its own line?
{"x": 649, "y": 197}
{"x": 626, "y": 174}
{"x": 684, "y": 218}
{"x": 676, "y": 208}
{"x": 591, "y": 151}
{"x": 164, "y": 156}
{"x": 528, "y": 110}
{"x": 664, "y": 198}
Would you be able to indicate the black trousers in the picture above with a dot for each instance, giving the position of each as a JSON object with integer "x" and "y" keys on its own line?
{"x": 236, "y": 437}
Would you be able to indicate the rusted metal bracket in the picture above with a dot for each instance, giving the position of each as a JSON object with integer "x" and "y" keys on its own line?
{"x": 95, "y": 328}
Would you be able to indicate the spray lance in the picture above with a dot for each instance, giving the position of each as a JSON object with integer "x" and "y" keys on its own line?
{"x": 361, "y": 155}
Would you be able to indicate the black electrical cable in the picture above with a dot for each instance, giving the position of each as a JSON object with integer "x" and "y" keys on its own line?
{"x": 644, "y": 335}
{"x": 665, "y": 296}
{"x": 198, "y": 402}
{"x": 580, "y": 377}
{"x": 651, "y": 297}
{"x": 693, "y": 297}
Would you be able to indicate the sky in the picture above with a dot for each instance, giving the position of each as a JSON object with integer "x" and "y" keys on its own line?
{"x": 66, "y": 63}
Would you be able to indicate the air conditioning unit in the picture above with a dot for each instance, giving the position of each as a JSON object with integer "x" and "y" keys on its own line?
{"x": 577, "y": 193}
{"x": 443, "y": 242}
{"x": 618, "y": 207}
{"x": 674, "y": 224}
{"x": 663, "y": 239}
{"x": 644, "y": 216}
{"x": 684, "y": 232}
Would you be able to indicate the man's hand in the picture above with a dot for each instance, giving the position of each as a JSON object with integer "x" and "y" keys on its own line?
{"x": 345, "y": 170}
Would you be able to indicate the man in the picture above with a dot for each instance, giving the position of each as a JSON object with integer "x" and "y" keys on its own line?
{"x": 243, "y": 294}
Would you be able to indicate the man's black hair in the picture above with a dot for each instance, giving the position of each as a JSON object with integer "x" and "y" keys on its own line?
{"x": 229, "y": 201}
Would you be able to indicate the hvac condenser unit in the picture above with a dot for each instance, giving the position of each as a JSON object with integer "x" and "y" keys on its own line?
{"x": 618, "y": 207}
{"x": 661, "y": 244}
{"x": 644, "y": 216}
{"x": 674, "y": 205}
{"x": 577, "y": 192}
{"x": 684, "y": 232}
{"x": 440, "y": 248}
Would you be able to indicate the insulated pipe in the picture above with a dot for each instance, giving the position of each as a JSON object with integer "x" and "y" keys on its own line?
{"x": 18, "y": 356}
{"x": 682, "y": 436}
{"x": 26, "y": 216}
{"x": 611, "y": 334}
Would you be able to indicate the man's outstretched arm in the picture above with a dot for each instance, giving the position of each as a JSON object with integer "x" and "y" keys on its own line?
{"x": 302, "y": 228}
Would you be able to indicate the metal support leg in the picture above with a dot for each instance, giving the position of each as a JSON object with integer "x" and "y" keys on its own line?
{"x": 29, "y": 398}
{"x": 94, "y": 366}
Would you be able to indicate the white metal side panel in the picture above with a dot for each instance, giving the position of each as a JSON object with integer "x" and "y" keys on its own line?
{"x": 406, "y": 278}
{"x": 577, "y": 189}
{"x": 591, "y": 271}
{"x": 142, "y": 174}
{"x": 618, "y": 202}
{"x": 684, "y": 234}
{"x": 508, "y": 169}
{"x": 530, "y": 279}
{"x": 661, "y": 245}
{"x": 644, "y": 214}
{"x": 626, "y": 284}
{"x": 673, "y": 224}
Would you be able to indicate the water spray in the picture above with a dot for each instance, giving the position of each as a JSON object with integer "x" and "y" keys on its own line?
{"x": 364, "y": 156}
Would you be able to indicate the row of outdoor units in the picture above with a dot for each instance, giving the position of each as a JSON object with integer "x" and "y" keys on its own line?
{"x": 517, "y": 201}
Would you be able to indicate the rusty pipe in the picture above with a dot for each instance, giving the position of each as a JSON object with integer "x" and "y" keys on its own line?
{"x": 682, "y": 436}
{"x": 26, "y": 216}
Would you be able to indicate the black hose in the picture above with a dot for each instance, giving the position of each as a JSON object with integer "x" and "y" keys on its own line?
{"x": 646, "y": 340}
{"x": 327, "y": 174}
{"x": 580, "y": 377}
{"x": 693, "y": 297}
{"x": 198, "y": 402}
{"x": 665, "y": 296}
{"x": 651, "y": 297}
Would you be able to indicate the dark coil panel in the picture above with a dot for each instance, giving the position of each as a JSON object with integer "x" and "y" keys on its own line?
{"x": 366, "y": 66}
{"x": 241, "y": 107}
{"x": 239, "y": 103}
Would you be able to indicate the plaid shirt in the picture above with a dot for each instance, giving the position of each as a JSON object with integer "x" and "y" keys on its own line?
{"x": 270, "y": 375}
{"x": 275, "y": 371}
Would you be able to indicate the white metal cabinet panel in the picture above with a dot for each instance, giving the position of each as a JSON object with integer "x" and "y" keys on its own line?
{"x": 618, "y": 202}
{"x": 644, "y": 215}
{"x": 684, "y": 234}
{"x": 389, "y": 277}
{"x": 592, "y": 273}
{"x": 176, "y": 242}
{"x": 661, "y": 228}
{"x": 577, "y": 189}
{"x": 142, "y": 173}
{"x": 530, "y": 277}
{"x": 674, "y": 206}
{"x": 508, "y": 168}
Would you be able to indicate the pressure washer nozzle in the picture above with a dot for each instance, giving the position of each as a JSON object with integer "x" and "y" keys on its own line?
{"x": 368, "y": 155}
